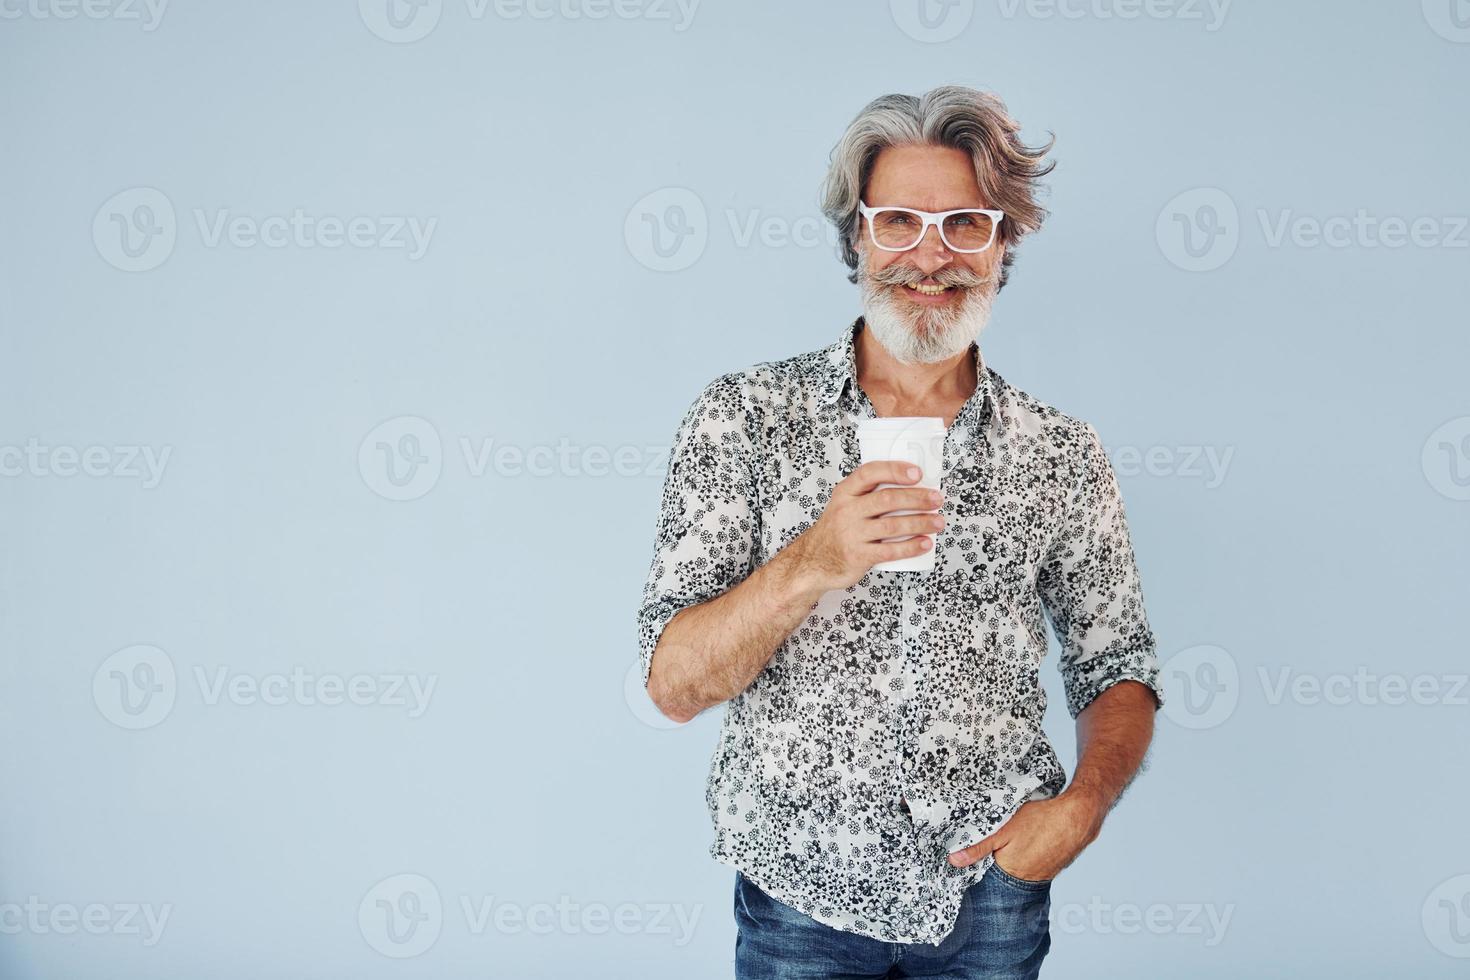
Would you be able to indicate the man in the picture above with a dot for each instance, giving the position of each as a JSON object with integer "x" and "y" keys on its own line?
{"x": 882, "y": 783}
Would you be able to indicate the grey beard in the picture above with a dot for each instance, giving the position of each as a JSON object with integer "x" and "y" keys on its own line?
{"x": 924, "y": 335}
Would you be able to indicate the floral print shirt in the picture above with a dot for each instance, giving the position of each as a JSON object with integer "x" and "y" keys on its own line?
{"x": 901, "y": 720}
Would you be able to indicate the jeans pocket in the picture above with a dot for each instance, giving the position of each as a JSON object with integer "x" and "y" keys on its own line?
{"x": 743, "y": 889}
{"x": 1027, "y": 883}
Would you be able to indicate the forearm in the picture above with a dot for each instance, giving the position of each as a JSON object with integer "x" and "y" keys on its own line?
{"x": 711, "y": 652}
{"x": 1113, "y": 735}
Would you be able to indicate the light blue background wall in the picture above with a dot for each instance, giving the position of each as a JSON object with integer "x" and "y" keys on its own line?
{"x": 1276, "y": 833}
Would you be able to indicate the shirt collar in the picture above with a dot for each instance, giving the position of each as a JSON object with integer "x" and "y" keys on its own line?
{"x": 839, "y": 366}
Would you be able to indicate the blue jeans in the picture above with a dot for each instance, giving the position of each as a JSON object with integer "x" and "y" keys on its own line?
{"x": 1002, "y": 934}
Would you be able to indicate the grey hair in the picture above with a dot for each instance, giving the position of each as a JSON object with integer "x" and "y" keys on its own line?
{"x": 1008, "y": 170}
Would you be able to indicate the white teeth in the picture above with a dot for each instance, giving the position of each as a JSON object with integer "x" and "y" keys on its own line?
{"x": 929, "y": 290}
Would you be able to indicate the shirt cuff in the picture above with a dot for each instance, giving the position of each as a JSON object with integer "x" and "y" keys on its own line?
{"x": 1136, "y": 661}
{"x": 652, "y": 620}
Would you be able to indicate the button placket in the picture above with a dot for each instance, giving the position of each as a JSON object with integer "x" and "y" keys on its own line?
{"x": 912, "y": 669}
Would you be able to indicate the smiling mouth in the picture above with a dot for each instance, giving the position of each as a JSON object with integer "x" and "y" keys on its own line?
{"x": 929, "y": 293}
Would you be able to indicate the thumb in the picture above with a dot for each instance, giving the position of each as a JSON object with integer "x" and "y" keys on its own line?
{"x": 978, "y": 851}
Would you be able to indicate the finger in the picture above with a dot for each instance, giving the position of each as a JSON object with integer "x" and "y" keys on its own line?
{"x": 899, "y": 498}
{"x": 868, "y": 475}
{"x": 898, "y": 525}
{"x": 900, "y": 549}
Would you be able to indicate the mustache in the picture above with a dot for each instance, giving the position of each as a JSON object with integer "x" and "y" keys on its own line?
{"x": 898, "y": 275}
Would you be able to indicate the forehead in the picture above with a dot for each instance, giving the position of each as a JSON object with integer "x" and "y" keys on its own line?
{"x": 931, "y": 178}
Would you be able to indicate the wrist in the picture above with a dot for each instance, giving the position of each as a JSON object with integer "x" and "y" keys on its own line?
{"x": 794, "y": 579}
{"x": 1089, "y": 804}
{"x": 796, "y": 576}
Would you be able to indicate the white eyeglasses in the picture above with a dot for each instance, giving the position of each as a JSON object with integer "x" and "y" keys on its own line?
{"x": 900, "y": 229}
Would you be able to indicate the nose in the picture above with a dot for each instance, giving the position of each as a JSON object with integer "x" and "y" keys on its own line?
{"x": 931, "y": 254}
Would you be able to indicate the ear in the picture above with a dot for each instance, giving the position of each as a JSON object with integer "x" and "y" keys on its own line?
{"x": 998, "y": 267}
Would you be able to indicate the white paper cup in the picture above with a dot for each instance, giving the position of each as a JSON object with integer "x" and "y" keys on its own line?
{"x": 914, "y": 439}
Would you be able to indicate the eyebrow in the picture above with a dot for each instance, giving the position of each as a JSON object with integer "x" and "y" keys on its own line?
{"x": 915, "y": 207}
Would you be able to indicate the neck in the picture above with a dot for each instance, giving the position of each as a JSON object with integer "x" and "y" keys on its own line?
{"x": 880, "y": 373}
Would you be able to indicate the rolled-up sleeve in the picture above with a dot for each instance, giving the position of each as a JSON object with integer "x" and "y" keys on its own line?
{"x": 704, "y": 540}
{"x": 1089, "y": 584}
